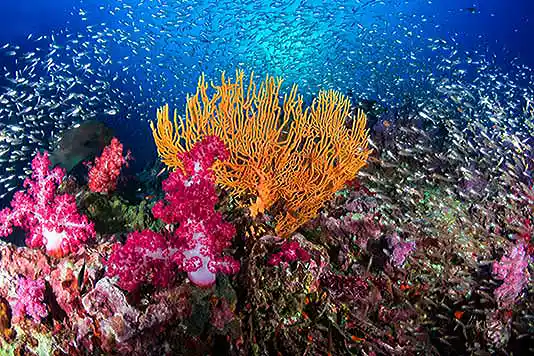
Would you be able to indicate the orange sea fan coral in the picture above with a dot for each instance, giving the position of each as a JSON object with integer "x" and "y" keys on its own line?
{"x": 279, "y": 153}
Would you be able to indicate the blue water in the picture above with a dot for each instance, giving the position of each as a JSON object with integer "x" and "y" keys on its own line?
{"x": 321, "y": 56}
{"x": 502, "y": 25}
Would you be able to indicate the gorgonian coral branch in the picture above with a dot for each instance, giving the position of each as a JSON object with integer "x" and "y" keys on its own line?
{"x": 277, "y": 151}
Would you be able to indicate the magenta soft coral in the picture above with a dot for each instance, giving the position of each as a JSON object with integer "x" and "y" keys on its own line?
{"x": 289, "y": 252}
{"x": 51, "y": 220}
{"x": 104, "y": 174}
{"x": 400, "y": 250}
{"x": 30, "y": 299}
{"x": 144, "y": 258}
{"x": 196, "y": 246}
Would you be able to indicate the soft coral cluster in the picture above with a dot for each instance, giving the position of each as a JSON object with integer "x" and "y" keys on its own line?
{"x": 400, "y": 250}
{"x": 51, "y": 219}
{"x": 513, "y": 271}
{"x": 144, "y": 258}
{"x": 196, "y": 246}
{"x": 30, "y": 299}
{"x": 289, "y": 252}
{"x": 104, "y": 174}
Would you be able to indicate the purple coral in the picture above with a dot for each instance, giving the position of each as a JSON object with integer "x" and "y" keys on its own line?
{"x": 400, "y": 250}
{"x": 513, "y": 271}
{"x": 30, "y": 299}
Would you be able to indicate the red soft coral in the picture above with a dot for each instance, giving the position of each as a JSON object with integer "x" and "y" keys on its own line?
{"x": 105, "y": 172}
{"x": 289, "y": 252}
{"x": 144, "y": 258}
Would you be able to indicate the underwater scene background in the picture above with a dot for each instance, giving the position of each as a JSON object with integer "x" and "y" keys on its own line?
{"x": 377, "y": 201}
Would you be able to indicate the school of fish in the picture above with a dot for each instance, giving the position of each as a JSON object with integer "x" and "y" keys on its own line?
{"x": 134, "y": 55}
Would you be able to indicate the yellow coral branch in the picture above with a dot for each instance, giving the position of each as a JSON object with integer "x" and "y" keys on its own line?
{"x": 278, "y": 153}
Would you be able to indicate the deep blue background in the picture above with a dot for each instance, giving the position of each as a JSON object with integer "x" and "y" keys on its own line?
{"x": 500, "y": 27}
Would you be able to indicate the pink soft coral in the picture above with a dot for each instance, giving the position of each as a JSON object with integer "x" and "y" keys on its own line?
{"x": 51, "y": 220}
{"x": 30, "y": 299}
{"x": 513, "y": 271}
{"x": 196, "y": 246}
{"x": 400, "y": 250}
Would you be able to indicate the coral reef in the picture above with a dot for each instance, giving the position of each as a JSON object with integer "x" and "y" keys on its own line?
{"x": 416, "y": 255}
{"x": 196, "y": 245}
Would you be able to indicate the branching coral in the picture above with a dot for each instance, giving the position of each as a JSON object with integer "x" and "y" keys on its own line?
{"x": 279, "y": 152}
